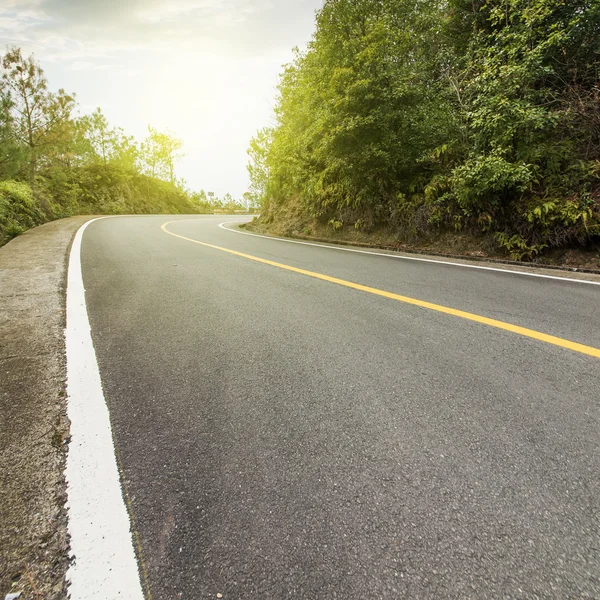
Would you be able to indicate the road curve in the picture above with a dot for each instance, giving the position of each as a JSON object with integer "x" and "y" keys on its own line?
{"x": 284, "y": 435}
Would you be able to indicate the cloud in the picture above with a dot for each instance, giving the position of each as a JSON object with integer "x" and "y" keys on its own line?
{"x": 84, "y": 28}
{"x": 86, "y": 65}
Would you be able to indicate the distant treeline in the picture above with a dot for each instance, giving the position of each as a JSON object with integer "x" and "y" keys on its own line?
{"x": 55, "y": 164}
{"x": 477, "y": 116}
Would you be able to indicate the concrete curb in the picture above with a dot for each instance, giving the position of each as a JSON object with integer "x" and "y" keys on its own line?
{"x": 33, "y": 424}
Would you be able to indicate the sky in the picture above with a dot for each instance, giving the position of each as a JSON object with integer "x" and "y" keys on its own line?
{"x": 205, "y": 69}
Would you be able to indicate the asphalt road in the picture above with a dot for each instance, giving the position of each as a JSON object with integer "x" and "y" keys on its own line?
{"x": 287, "y": 437}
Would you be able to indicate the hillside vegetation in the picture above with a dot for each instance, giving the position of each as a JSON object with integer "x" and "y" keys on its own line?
{"x": 54, "y": 163}
{"x": 422, "y": 118}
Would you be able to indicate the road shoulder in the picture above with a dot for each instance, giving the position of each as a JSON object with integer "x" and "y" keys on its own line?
{"x": 33, "y": 423}
{"x": 480, "y": 262}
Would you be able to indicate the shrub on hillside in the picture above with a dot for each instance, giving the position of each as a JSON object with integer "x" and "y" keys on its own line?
{"x": 112, "y": 189}
{"x": 18, "y": 210}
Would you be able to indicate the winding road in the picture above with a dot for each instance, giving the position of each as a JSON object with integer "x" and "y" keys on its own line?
{"x": 297, "y": 421}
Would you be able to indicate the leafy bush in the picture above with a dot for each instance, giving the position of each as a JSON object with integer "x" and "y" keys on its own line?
{"x": 91, "y": 189}
{"x": 111, "y": 189}
{"x": 18, "y": 210}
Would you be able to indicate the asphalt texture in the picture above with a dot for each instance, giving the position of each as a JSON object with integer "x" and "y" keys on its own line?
{"x": 286, "y": 437}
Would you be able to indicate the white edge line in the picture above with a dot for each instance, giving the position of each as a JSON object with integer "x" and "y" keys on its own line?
{"x": 401, "y": 257}
{"x": 104, "y": 565}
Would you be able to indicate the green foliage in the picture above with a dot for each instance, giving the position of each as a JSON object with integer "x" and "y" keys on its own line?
{"x": 335, "y": 224}
{"x": 18, "y": 210}
{"x": 350, "y": 129}
{"x": 113, "y": 189}
{"x": 36, "y": 118}
{"x": 517, "y": 246}
{"x": 96, "y": 142}
{"x": 483, "y": 182}
{"x": 419, "y": 117}
{"x": 210, "y": 202}
{"x": 258, "y": 169}
{"x": 158, "y": 154}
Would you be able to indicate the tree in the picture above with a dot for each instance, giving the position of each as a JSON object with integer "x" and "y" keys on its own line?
{"x": 38, "y": 116}
{"x": 358, "y": 112}
{"x": 258, "y": 168}
{"x": 97, "y": 133}
{"x": 158, "y": 154}
{"x": 12, "y": 153}
{"x": 125, "y": 151}
{"x": 105, "y": 144}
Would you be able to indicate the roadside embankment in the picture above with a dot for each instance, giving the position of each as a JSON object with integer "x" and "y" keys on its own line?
{"x": 455, "y": 246}
{"x": 33, "y": 422}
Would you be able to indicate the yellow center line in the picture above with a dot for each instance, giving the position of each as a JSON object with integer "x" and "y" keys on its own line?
{"x": 530, "y": 333}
